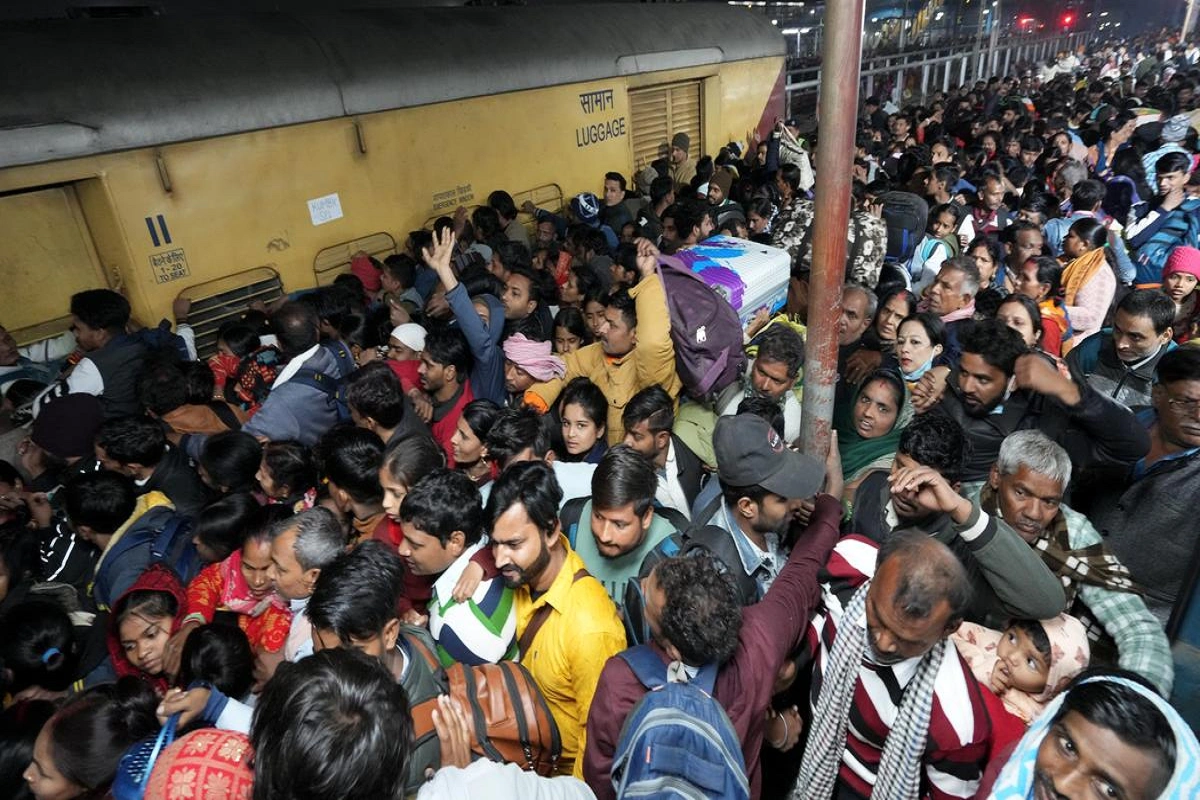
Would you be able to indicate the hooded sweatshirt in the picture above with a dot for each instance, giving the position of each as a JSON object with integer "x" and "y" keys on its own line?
{"x": 487, "y": 376}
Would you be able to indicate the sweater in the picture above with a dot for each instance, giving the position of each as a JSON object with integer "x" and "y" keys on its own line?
{"x": 650, "y": 363}
{"x": 770, "y": 631}
{"x": 1007, "y": 577}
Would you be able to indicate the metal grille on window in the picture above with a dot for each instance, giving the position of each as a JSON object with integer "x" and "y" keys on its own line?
{"x": 225, "y": 300}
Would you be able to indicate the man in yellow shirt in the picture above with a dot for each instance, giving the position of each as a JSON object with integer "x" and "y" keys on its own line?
{"x": 567, "y": 626}
{"x": 634, "y": 351}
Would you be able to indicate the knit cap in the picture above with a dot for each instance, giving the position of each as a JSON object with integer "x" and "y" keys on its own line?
{"x": 411, "y": 335}
{"x": 1183, "y": 259}
{"x": 66, "y": 425}
{"x": 682, "y": 141}
{"x": 586, "y": 207}
{"x": 724, "y": 179}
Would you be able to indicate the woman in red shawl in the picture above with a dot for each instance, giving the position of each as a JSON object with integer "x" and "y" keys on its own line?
{"x": 239, "y": 584}
{"x": 143, "y": 620}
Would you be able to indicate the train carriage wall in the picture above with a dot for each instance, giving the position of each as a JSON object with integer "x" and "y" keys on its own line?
{"x": 177, "y": 155}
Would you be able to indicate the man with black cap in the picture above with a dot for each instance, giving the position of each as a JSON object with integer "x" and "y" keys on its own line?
{"x": 60, "y": 444}
{"x": 698, "y": 628}
{"x": 720, "y": 207}
{"x": 683, "y": 166}
{"x": 762, "y": 485}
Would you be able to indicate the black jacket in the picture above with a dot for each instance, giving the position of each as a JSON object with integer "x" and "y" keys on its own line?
{"x": 175, "y": 477}
{"x": 1098, "y": 431}
{"x": 1095, "y": 362}
{"x": 691, "y": 471}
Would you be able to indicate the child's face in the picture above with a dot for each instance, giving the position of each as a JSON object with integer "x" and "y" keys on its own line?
{"x": 1179, "y": 285}
{"x": 943, "y": 226}
{"x": 1025, "y": 667}
{"x": 223, "y": 348}
{"x": 267, "y": 481}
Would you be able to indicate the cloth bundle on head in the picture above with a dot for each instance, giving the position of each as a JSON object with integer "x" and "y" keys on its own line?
{"x": 682, "y": 141}
{"x": 66, "y": 425}
{"x": 586, "y": 207}
{"x": 411, "y": 335}
{"x": 1183, "y": 259}
{"x": 208, "y": 764}
{"x": 536, "y": 358}
{"x": 1176, "y": 128}
{"x": 362, "y": 268}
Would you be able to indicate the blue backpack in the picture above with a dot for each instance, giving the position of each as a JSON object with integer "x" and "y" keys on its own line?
{"x": 334, "y": 388}
{"x": 677, "y": 742}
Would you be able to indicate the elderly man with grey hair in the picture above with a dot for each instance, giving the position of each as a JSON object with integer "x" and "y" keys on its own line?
{"x": 1026, "y": 488}
{"x": 301, "y": 546}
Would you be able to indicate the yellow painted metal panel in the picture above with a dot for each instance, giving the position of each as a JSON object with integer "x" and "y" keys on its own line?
{"x": 241, "y": 202}
{"x": 46, "y": 254}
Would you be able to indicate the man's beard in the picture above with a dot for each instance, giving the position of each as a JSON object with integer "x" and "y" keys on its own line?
{"x": 515, "y": 577}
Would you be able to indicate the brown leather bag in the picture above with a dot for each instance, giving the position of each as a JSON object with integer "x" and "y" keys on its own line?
{"x": 512, "y": 722}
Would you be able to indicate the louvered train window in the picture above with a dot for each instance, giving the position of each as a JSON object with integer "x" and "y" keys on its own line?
{"x": 335, "y": 259}
{"x": 225, "y": 300}
{"x": 658, "y": 113}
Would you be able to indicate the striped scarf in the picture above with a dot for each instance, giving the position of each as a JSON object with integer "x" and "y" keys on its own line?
{"x": 899, "y": 773}
{"x": 1093, "y": 565}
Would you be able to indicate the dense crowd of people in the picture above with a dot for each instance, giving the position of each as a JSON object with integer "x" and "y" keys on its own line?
{"x": 460, "y": 525}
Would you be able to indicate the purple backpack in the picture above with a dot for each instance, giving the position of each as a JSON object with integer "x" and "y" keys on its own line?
{"x": 706, "y": 331}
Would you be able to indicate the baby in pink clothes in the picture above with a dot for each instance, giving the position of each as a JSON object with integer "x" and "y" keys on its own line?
{"x": 1027, "y": 664}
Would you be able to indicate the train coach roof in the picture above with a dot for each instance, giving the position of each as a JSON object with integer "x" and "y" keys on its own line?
{"x": 72, "y": 88}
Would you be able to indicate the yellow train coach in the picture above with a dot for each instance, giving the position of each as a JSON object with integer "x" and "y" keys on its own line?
{"x": 231, "y": 158}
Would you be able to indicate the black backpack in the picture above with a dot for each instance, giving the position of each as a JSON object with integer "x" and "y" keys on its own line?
{"x": 906, "y": 215}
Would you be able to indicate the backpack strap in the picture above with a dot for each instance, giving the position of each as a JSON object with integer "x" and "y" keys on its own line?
{"x": 342, "y": 355}
{"x": 317, "y": 380}
{"x": 225, "y": 414}
{"x": 539, "y": 619}
{"x": 418, "y": 644}
{"x": 569, "y": 516}
{"x": 161, "y": 544}
{"x": 648, "y": 667}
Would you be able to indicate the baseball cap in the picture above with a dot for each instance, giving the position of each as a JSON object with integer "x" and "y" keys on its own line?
{"x": 751, "y": 453}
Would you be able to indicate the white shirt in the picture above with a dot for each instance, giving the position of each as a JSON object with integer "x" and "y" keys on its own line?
{"x": 488, "y": 780}
{"x": 670, "y": 491}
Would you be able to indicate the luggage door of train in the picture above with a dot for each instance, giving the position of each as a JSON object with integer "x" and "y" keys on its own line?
{"x": 46, "y": 255}
{"x": 659, "y": 112}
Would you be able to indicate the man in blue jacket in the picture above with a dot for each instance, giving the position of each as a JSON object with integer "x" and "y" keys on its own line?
{"x": 480, "y": 318}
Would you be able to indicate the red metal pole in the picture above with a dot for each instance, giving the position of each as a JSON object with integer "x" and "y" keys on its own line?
{"x": 841, "y": 57}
